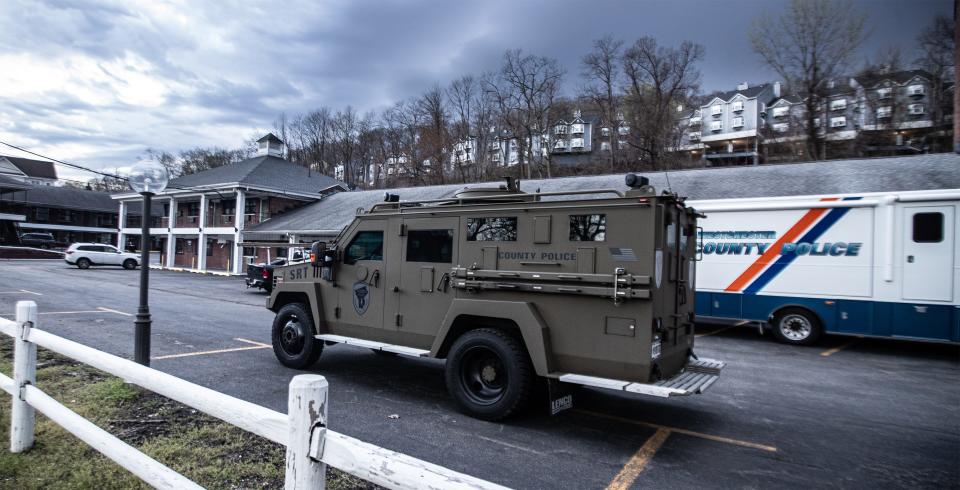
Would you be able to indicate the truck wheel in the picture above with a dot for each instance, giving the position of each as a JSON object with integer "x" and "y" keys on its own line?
{"x": 797, "y": 326}
{"x": 129, "y": 264}
{"x": 489, "y": 374}
{"x": 292, "y": 336}
{"x": 83, "y": 263}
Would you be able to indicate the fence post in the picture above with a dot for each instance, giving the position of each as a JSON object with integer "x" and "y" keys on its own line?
{"x": 22, "y": 415}
{"x": 307, "y": 415}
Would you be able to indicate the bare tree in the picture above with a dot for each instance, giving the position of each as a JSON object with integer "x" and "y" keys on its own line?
{"x": 809, "y": 44}
{"x": 435, "y": 137}
{"x": 344, "y": 129}
{"x": 201, "y": 159}
{"x": 525, "y": 90}
{"x": 602, "y": 72}
{"x": 462, "y": 96}
{"x": 658, "y": 78}
{"x": 938, "y": 46}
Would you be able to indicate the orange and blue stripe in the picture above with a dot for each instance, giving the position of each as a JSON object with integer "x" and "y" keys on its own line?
{"x": 810, "y": 227}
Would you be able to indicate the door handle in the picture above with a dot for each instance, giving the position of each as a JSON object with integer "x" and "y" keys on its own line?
{"x": 396, "y": 289}
{"x": 909, "y": 259}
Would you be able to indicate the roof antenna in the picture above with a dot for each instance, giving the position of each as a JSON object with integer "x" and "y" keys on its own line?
{"x": 666, "y": 174}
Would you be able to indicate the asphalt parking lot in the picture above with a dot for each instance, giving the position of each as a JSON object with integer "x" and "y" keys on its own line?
{"x": 845, "y": 413}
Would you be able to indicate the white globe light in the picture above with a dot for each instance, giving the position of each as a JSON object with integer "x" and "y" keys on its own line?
{"x": 148, "y": 176}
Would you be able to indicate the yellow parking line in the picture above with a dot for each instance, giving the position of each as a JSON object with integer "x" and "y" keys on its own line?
{"x": 639, "y": 461}
{"x": 109, "y": 310}
{"x": 22, "y": 291}
{"x": 69, "y": 312}
{"x": 203, "y": 353}
{"x": 255, "y": 346}
{"x": 830, "y": 352}
{"x": 701, "y": 435}
{"x": 723, "y": 329}
{"x": 261, "y": 344}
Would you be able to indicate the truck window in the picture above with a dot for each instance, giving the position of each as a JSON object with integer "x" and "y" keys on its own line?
{"x": 366, "y": 245}
{"x": 928, "y": 227}
{"x": 492, "y": 229}
{"x": 430, "y": 246}
{"x": 588, "y": 227}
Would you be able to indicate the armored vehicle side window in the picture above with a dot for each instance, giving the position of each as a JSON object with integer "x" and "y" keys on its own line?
{"x": 928, "y": 227}
{"x": 430, "y": 246}
{"x": 367, "y": 245}
{"x": 588, "y": 227}
{"x": 492, "y": 229}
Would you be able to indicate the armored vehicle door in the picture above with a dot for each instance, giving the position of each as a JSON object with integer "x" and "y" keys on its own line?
{"x": 428, "y": 252}
{"x": 675, "y": 273}
{"x": 360, "y": 280}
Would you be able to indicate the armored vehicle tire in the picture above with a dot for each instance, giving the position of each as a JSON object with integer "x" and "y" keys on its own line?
{"x": 292, "y": 336}
{"x": 83, "y": 263}
{"x": 129, "y": 264}
{"x": 488, "y": 374}
{"x": 797, "y": 326}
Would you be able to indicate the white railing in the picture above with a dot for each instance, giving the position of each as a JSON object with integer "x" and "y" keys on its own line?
{"x": 310, "y": 445}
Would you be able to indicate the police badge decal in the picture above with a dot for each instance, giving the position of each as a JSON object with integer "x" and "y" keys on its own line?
{"x": 360, "y": 294}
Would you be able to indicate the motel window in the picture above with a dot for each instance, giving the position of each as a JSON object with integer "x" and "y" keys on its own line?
{"x": 492, "y": 229}
{"x": 366, "y": 245}
{"x": 430, "y": 246}
{"x": 588, "y": 227}
{"x": 928, "y": 227}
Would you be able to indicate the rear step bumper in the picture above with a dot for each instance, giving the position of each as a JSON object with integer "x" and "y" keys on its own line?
{"x": 696, "y": 377}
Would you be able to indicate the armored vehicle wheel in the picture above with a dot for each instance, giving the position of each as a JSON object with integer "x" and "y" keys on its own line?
{"x": 129, "y": 264}
{"x": 293, "y": 340}
{"x": 83, "y": 263}
{"x": 797, "y": 326}
{"x": 489, "y": 374}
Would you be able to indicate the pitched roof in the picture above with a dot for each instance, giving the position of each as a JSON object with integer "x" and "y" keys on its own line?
{"x": 270, "y": 137}
{"x": 922, "y": 172}
{"x": 791, "y": 99}
{"x": 34, "y": 168}
{"x": 8, "y": 183}
{"x": 900, "y": 77}
{"x": 749, "y": 92}
{"x": 262, "y": 171}
{"x": 64, "y": 197}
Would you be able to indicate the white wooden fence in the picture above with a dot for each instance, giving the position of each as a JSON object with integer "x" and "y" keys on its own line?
{"x": 303, "y": 430}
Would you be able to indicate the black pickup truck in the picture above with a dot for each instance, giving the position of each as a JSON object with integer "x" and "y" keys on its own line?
{"x": 261, "y": 275}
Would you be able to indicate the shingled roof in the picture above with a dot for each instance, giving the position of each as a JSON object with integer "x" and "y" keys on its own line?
{"x": 262, "y": 171}
{"x": 63, "y": 197}
{"x": 922, "y": 172}
{"x": 8, "y": 183}
{"x": 33, "y": 168}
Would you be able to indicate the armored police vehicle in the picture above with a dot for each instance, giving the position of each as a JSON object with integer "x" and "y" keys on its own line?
{"x": 589, "y": 287}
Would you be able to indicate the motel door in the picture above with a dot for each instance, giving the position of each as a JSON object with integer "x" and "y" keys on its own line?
{"x": 928, "y": 244}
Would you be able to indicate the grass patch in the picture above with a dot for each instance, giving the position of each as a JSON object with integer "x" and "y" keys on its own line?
{"x": 208, "y": 451}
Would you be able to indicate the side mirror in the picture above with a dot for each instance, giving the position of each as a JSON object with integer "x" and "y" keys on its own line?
{"x": 329, "y": 257}
{"x": 316, "y": 253}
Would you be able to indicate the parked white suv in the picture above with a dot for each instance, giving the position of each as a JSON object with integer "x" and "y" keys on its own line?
{"x": 83, "y": 255}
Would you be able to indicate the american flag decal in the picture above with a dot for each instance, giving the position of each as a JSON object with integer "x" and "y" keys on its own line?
{"x": 622, "y": 254}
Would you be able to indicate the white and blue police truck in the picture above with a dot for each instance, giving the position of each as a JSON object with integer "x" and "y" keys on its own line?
{"x": 872, "y": 264}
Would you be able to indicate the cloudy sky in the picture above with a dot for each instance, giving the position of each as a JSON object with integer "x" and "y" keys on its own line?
{"x": 97, "y": 82}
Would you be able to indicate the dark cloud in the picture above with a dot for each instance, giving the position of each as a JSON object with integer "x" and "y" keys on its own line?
{"x": 178, "y": 75}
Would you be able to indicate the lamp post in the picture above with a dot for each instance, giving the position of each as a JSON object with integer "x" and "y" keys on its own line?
{"x": 147, "y": 178}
